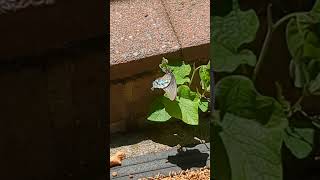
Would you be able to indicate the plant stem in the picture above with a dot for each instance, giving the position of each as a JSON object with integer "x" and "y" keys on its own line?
{"x": 265, "y": 44}
{"x": 299, "y": 100}
{"x": 271, "y": 28}
{"x": 193, "y": 73}
{"x": 287, "y": 17}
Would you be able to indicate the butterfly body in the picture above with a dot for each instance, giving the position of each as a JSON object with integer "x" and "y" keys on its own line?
{"x": 168, "y": 84}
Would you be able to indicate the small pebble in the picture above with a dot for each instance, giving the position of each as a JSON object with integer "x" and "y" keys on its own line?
{"x": 130, "y": 176}
{"x": 114, "y": 174}
{"x": 136, "y": 54}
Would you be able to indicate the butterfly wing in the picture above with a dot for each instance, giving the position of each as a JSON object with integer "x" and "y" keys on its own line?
{"x": 162, "y": 82}
{"x": 171, "y": 89}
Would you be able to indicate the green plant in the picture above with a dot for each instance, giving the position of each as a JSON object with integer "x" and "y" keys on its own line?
{"x": 188, "y": 102}
{"x": 252, "y": 128}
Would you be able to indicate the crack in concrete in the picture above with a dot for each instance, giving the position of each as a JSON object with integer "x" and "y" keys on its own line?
{"x": 172, "y": 27}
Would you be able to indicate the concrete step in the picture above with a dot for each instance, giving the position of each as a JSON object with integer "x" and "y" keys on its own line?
{"x": 141, "y": 33}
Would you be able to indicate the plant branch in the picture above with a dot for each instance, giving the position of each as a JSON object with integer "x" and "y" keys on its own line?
{"x": 265, "y": 44}
{"x": 193, "y": 73}
{"x": 287, "y": 17}
{"x": 271, "y": 28}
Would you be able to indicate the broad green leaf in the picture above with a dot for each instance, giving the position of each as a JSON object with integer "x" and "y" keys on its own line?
{"x": 172, "y": 107}
{"x": 298, "y": 33}
{"x": 204, "y": 73}
{"x": 203, "y": 105}
{"x": 181, "y": 72}
{"x": 295, "y": 36}
{"x": 185, "y": 92}
{"x": 159, "y": 115}
{"x": 228, "y": 34}
{"x": 303, "y": 45}
{"x": 314, "y": 86}
{"x": 254, "y": 151}
{"x": 227, "y": 61}
{"x": 237, "y": 95}
{"x": 158, "y": 112}
{"x": 237, "y": 28}
{"x": 183, "y": 109}
{"x": 189, "y": 111}
{"x": 299, "y": 141}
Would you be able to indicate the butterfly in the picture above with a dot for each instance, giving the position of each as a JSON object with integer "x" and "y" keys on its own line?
{"x": 167, "y": 83}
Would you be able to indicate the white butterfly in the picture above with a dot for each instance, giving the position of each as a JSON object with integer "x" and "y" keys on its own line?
{"x": 168, "y": 84}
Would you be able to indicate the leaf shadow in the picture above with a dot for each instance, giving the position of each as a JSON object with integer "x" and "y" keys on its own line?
{"x": 189, "y": 159}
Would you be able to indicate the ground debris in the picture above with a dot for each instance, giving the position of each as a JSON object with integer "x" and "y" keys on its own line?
{"x": 117, "y": 159}
{"x": 114, "y": 174}
{"x": 196, "y": 174}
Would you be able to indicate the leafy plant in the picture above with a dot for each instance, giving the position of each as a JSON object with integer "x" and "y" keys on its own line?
{"x": 251, "y": 127}
{"x": 188, "y": 102}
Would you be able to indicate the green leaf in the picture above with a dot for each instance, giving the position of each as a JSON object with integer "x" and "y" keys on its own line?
{"x": 314, "y": 86}
{"x": 203, "y": 105}
{"x": 311, "y": 48}
{"x": 254, "y": 151}
{"x": 159, "y": 115}
{"x": 189, "y": 111}
{"x": 181, "y": 72}
{"x": 185, "y": 92}
{"x": 314, "y": 68}
{"x": 237, "y": 95}
{"x": 227, "y": 61}
{"x": 237, "y": 28}
{"x": 158, "y": 112}
{"x": 299, "y": 73}
{"x": 183, "y": 109}
{"x": 228, "y": 34}
{"x": 316, "y": 10}
{"x": 299, "y": 141}
{"x": 303, "y": 45}
{"x": 172, "y": 107}
{"x": 295, "y": 36}
{"x": 204, "y": 73}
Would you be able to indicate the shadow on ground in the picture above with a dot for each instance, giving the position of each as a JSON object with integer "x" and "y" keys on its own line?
{"x": 169, "y": 133}
{"x": 186, "y": 160}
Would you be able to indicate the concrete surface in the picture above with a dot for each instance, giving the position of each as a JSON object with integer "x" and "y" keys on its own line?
{"x": 191, "y": 22}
